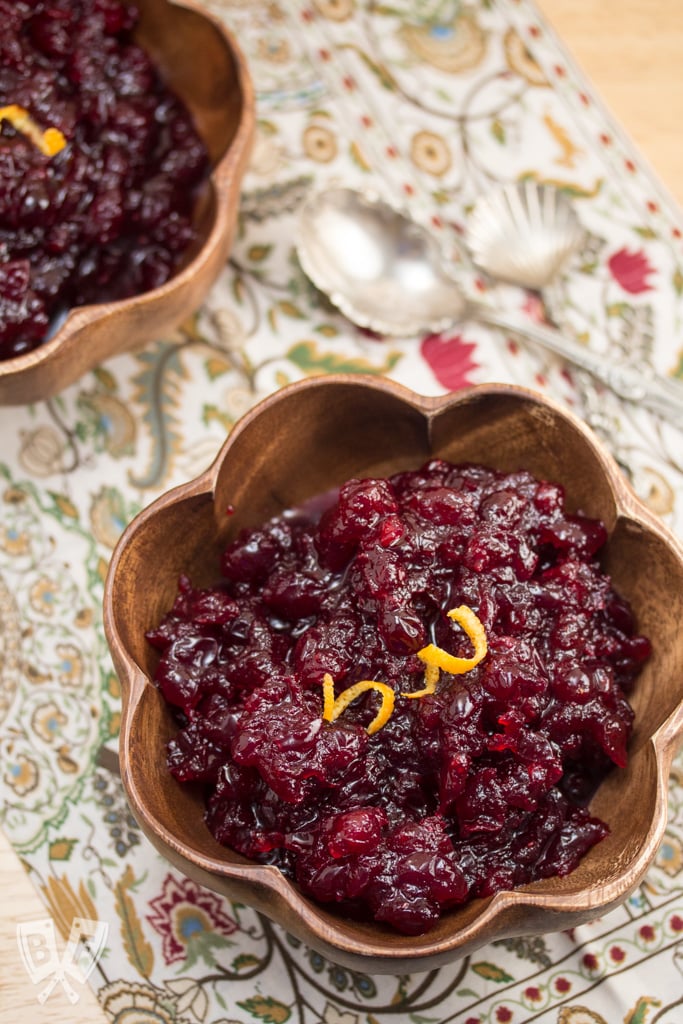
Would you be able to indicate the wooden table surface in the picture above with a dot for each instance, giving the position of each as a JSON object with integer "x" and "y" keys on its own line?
{"x": 632, "y": 52}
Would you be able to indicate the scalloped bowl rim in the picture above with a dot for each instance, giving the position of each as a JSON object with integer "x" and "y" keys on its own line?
{"x": 404, "y": 952}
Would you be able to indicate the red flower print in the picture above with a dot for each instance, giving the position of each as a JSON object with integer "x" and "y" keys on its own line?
{"x": 630, "y": 270}
{"x": 534, "y": 308}
{"x": 451, "y": 359}
{"x": 590, "y": 962}
{"x": 186, "y": 914}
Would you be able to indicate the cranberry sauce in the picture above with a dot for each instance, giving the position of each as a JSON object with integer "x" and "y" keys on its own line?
{"x": 479, "y": 786}
{"x": 110, "y": 214}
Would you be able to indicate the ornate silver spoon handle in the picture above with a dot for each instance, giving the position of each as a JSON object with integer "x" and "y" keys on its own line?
{"x": 658, "y": 394}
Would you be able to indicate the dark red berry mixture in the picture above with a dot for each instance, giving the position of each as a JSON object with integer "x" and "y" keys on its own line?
{"x": 482, "y": 785}
{"x": 110, "y": 214}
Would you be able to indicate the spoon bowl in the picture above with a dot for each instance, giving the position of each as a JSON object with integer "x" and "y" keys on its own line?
{"x": 380, "y": 268}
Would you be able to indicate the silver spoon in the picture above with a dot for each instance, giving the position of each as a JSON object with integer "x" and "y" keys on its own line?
{"x": 387, "y": 273}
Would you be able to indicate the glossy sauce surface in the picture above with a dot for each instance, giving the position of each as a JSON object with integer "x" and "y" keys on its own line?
{"x": 482, "y": 785}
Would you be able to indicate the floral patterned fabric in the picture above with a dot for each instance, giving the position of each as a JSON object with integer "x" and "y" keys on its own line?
{"x": 434, "y": 103}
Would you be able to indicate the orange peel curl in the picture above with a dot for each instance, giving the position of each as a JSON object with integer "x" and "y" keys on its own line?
{"x": 435, "y": 660}
{"x": 434, "y": 656}
{"x": 333, "y": 706}
{"x": 431, "y": 679}
{"x": 49, "y": 142}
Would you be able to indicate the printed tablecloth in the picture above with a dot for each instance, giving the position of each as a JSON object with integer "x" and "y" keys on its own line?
{"x": 435, "y": 103}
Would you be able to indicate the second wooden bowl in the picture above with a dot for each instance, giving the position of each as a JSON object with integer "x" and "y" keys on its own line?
{"x": 201, "y": 62}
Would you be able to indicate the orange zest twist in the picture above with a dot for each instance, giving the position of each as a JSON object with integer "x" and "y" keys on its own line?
{"x": 435, "y": 661}
{"x": 49, "y": 142}
{"x": 431, "y": 679}
{"x": 333, "y": 706}
{"x": 436, "y": 657}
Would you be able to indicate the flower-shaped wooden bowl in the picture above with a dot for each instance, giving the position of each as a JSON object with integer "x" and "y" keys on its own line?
{"x": 300, "y": 442}
{"x": 203, "y": 65}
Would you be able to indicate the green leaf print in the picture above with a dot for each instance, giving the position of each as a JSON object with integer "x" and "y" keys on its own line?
{"x": 639, "y": 1014}
{"x": 357, "y": 157}
{"x": 384, "y": 77}
{"x": 498, "y": 131}
{"x": 64, "y": 506}
{"x": 290, "y": 309}
{"x": 245, "y": 961}
{"x": 258, "y": 253}
{"x": 677, "y": 280}
{"x": 491, "y": 972}
{"x": 61, "y": 849}
{"x": 310, "y": 358}
{"x": 138, "y": 949}
{"x": 267, "y": 1009}
{"x": 211, "y": 413}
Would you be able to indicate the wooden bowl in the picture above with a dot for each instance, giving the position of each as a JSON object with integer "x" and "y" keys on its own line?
{"x": 298, "y": 443}
{"x": 201, "y": 62}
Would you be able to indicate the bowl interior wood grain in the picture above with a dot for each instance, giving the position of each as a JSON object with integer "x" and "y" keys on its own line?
{"x": 300, "y": 443}
{"x": 201, "y": 62}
